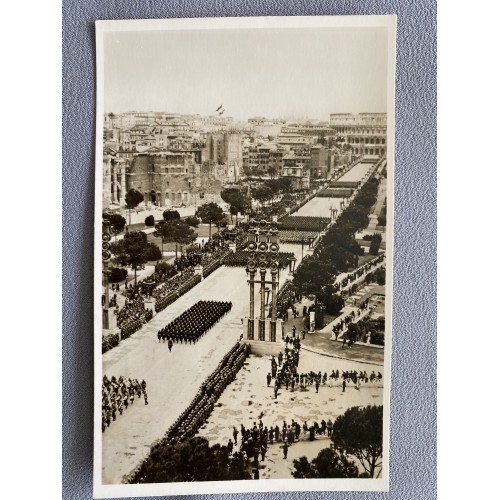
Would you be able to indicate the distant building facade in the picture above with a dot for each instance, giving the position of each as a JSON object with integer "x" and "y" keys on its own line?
{"x": 296, "y": 168}
{"x": 114, "y": 180}
{"x": 168, "y": 178}
{"x": 365, "y": 132}
{"x": 224, "y": 148}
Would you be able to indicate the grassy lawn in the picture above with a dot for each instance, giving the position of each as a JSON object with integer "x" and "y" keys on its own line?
{"x": 201, "y": 231}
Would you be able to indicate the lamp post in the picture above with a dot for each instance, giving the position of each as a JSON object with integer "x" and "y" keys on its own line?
{"x": 115, "y": 231}
{"x": 106, "y": 257}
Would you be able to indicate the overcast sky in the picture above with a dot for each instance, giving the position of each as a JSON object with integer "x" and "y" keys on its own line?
{"x": 266, "y": 72}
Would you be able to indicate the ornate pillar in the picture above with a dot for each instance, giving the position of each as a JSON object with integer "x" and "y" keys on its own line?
{"x": 274, "y": 265}
{"x": 252, "y": 269}
{"x": 106, "y": 256}
{"x": 262, "y": 321}
{"x": 114, "y": 185}
{"x": 251, "y": 317}
{"x": 123, "y": 188}
{"x": 274, "y": 274}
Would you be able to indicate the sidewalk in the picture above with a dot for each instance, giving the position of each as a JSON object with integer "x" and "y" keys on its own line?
{"x": 320, "y": 343}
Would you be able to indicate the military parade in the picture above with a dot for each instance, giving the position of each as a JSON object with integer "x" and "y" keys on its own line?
{"x": 194, "y": 322}
{"x": 202, "y": 405}
{"x": 117, "y": 395}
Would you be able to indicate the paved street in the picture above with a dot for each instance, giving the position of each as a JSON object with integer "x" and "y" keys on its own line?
{"x": 356, "y": 173}
{"x": 173, "y": 378}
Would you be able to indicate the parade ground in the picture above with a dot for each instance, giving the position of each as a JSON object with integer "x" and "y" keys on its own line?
{"x": 248, "y": 399}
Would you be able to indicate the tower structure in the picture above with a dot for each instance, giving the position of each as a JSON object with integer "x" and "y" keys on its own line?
{"x": 263, "y": 248}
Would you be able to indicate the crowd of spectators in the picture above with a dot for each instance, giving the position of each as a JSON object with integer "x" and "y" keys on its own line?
{"x": 357, "y": 273}
{"x": 339, "y": 327}
{"x": 285, "y": 299}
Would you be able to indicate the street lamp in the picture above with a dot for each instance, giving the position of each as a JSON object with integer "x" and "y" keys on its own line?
{"x": 114, "y": 230}
{"x": 106, "y": 257}
{"x": 291, "y": 264}
{"x": 198, "y": 256}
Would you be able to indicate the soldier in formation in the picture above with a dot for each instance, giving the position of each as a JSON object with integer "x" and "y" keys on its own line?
{"x": 117, "y": 395}
{"x": 195, "y": 322}
{"x": 202, "y": 405}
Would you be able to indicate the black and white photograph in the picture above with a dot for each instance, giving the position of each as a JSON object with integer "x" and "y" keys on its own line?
{"x": 243, "y": 254}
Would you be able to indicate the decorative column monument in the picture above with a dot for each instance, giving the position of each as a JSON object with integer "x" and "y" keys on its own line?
{"x": 252, "y": 268}
{"x": 262, "y": 252}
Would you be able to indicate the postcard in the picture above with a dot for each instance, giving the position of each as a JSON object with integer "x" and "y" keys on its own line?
{"x": 243, "y": 254}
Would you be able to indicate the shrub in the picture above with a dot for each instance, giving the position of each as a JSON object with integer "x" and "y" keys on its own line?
{"x": 171, "y": 215}
{"x": 166, "y": 269}
{"x": 377, "y": 338}
{"x": 117, "y": 221}
{"x": 375, "y": 244}
{"x": 380, "y": 276}
{"x": 117, "y": 274}
{"x": 149, "y": 221}
{"x": 192, "y": 221}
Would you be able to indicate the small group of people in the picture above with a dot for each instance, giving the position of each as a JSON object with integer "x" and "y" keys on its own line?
{"x": 118, "y": 394}
{"x": 200, "y": 408}
{"x": 284, "y": 369}
{"x": 254, "y": 441}
{"x": 194, "y": 322}
{"x": 343, "y": 324}
{"x": 290, "y": 378}
{"x": 294, "y": 338}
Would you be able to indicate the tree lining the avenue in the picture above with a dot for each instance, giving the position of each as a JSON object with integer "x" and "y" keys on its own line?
{"x": 339, "y": 246}
{"x": 336, "y": 252}
{"x": 210, "y": 213}
{"x": 356, "y": 439}
{"x": 175, "y": 231}
{"x": 134, "y": 251}
{"x": 193, "y": 460}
